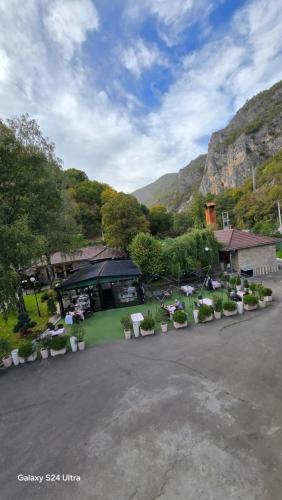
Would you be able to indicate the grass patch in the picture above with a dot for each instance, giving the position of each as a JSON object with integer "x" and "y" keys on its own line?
{"x": 6, "y": 328}
{"x": 279, "y": 254}
{"x": 105, "y": 326}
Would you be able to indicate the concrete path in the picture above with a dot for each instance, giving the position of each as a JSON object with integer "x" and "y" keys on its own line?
{"x": 191, "y": 415}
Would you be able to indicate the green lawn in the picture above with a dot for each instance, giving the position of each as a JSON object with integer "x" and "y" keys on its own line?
{"x": 279, "y": 254}
{"x": 6, "y": 328}
{"x": 105, "y": 326}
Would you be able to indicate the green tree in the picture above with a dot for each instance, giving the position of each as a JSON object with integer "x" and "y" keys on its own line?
{"x": 146, "y": 251}
{"x": 122, "y": 219}
{"x": 160, "y": 220}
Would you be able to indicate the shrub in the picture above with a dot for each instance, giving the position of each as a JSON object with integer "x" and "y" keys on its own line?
{"x": 51, "y": 306}
{"x": 45, "y": 342}
{"x": 205, "y": 312}
{"x": 253, "y": 287}
{"x": 217, "y": 303}
{"x": 59, "y": 342}
{"x": 229, "y": 305}
{"x": 5, "y": 348}
{"x": 126, "y": 322}
{"x": 24, "y": 325}
{"x": 44, "y": 297}
{"x": 246, "y": 284}
{"x": 148, "y": 322}
{"x": 179, "y": 317}
{"x": 267, "y": 292}
{"x": 250, "y": 300}
{"x": 25, "y": 349}
{"x": 238, "y": 280}
{"x": 232, "y": 280}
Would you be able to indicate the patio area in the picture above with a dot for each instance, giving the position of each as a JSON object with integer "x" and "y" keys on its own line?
{"x": 105, "y": 326}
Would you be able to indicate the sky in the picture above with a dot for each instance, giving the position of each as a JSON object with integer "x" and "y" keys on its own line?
{"x": 132, "y": 89}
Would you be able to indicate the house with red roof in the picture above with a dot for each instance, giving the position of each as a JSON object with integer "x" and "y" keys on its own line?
{"x": 245, "y": 252}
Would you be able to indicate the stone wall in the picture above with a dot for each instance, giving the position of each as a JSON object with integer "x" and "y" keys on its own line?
{"x": 262, "y": 259}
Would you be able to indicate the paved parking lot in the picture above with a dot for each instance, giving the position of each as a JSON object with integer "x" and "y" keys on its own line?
{"x": 189, "y": 415}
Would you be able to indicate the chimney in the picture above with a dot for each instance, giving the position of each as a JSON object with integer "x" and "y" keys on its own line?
{"x": 210, "y": 214}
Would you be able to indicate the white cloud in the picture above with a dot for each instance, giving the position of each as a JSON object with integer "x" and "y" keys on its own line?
{"x": 113, "y": 143}
{"x": 140, "y": 57}
{"x": 68, "y": 22}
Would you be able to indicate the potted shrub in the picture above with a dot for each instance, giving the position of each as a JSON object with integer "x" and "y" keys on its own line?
{"x": 238, "y": 283}
{"x": 126, "y": 323}
{"x": 205, "y": 313}
{"x": 80, "y": 337}
{"x": 44, "y": 346}
{"x": 27, "y": 352}
{"x": 163, "y": 320}
{"x": 250, "y": 302}
{"x": 179, "y": 319}
{"x": 147, "y": 325}
{"x": 267, "y": 294}
{"x": 252, "y": 288}
{"x": 58, "y": 345}
{"x": 246, "y": 285}
{"x": 229, "y": 308}
{"x": 261, "y": 297}
{"x": 217, "y": 306}
{"x": 5, "y": 352}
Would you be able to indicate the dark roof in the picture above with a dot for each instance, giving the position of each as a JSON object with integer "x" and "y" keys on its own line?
{"x": 234, "y": 239}
{"x": 107, "y": 270}
{"x": 97, "y": 252}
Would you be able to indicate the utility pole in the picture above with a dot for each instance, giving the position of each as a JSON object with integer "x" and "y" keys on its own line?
{"x": 279, "y": 216}
{"x": 254, "y": 178}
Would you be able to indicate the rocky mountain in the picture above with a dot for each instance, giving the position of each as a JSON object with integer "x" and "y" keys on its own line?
{"x": 173, "y": 190}
{"x": 252, "y": 136}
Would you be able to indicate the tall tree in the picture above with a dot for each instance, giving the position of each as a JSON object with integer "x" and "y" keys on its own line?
{"x": 160, "y": 220}
{"x": 122, "y": 219}
{"x": 146, "y": 251}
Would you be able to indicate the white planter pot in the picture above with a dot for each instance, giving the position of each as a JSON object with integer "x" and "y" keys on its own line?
{"x": 268, "y": 298}
{"x": 217, "y": 314}
{"x": 164, "y": 327}
{"x": 196, "y": 315}
{"x": 15, "y": 356}
{"x": 240, "y": 307}
{"x": 247, "y": 307}
{"x": 73, "y": 343}
{"x": 229, "y": 313}
{"x": 209, "y": 318}
{"x": 7, "y": 361}
{"x": 127, "y": 334}
{"x": 262, "y": 304}
{"x": 180, "y": 325}
{"x": 81, "y": 345}
{"x": 44, "y": 353}
{"x": 32, "y": 357}
{"x": 146, "y": 332}
{"x": 59, "y": 352}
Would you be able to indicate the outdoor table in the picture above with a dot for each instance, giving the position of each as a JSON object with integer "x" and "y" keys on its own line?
{"x": 207, "y": 302}
{"x": 171, "y": 309}
{"x": 187, "y": 289}
{"x": 136, "y": 319}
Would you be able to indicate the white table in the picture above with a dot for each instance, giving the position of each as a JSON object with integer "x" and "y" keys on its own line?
{"x": 207, "y": 302}
{"x": 188, "y": 290}
{"x": 136, "y": 319}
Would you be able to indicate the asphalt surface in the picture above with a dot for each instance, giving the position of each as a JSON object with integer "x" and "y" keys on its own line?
{"x": 192, "y": 415}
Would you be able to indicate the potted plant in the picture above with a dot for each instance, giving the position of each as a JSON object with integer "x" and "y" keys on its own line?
{"x": 162, "y": 317}
{"x": 126, "y": 323}
{"x": 27, "y": 352}
{"x": 217, "y": 306}
{"x": 238, "y": 283}
{"x": 250, "y": 302}
{"x": 205, "y": 313}
{"x": 229, "y": 308}
{"x": 252, "y": 288}
{"x": 5, "y": 352}
{"x": 58, "y": 345}
{"x": 261, "y": 297}
{"x": 80, "y": 337}
{"x": 147, "y": 325}
{"x": 44, "y": 345}
{"x": 267, "y": 294}
{"x": 246, "y": 285}
{"x": 179, "y": 319}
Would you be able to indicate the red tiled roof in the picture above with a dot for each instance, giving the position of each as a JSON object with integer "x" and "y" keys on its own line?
{"x": 234, "y": 239}
{"x": 98, "y": 252}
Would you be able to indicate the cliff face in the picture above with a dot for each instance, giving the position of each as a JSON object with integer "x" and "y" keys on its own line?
{"x": 174, "y": 190}
{"x": 252, "y": 136}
